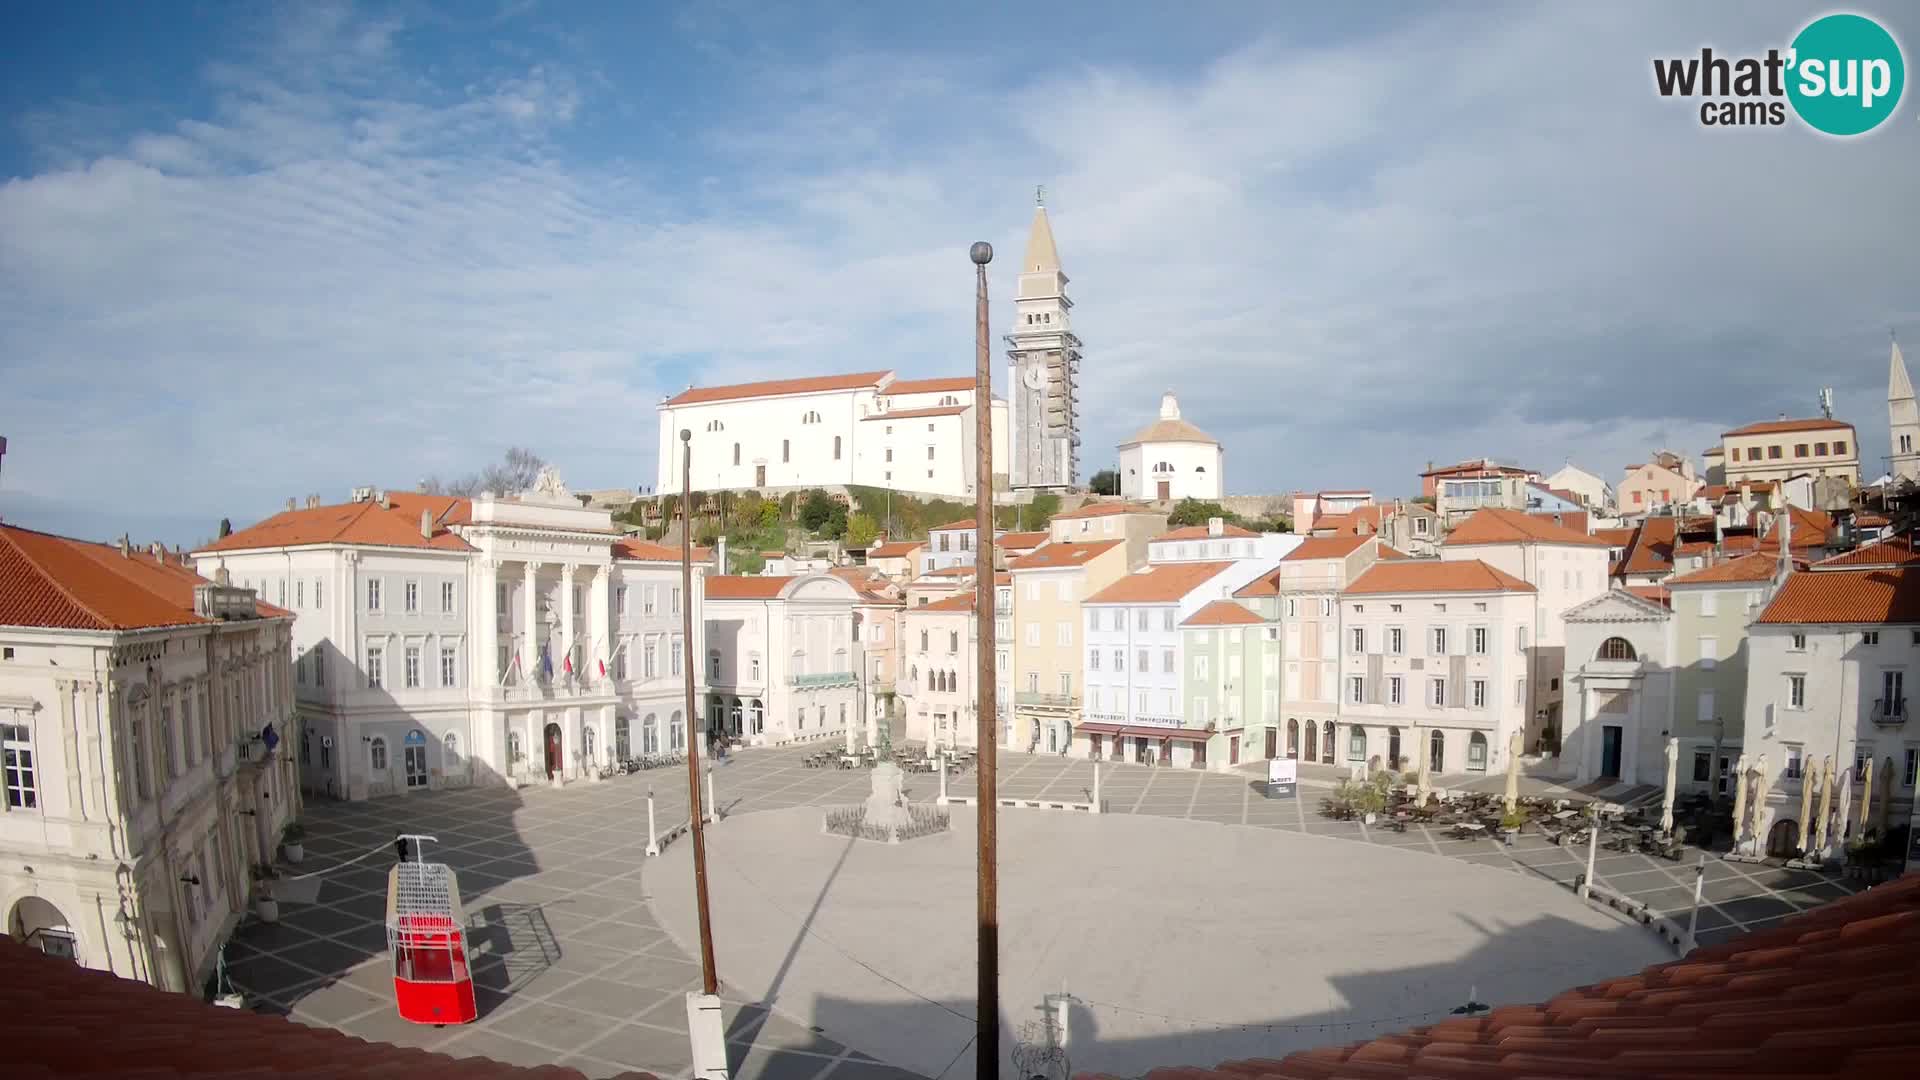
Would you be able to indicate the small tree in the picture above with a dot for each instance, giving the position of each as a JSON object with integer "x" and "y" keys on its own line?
{"x": 1105, "y": 482}
{"x": 1195, "y": 512}
{"x": 816, "y": 510}
{"x": 862, "y": 531}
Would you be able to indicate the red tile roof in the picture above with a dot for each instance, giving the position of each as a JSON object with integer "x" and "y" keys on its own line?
{"x": 1056, "y": 556}
{"x": 1325, "y": 547}
{"x": 1571, "y": 519}
{"x": 1656, "y": 593}
{"x": 956, "y": 602}
{"x": 1162, "y": 583}
{"x": 929, "y": 386}
{"x": 1495, "y": 526}
{"x": 1893, "y": 551}
{"x": 1651, "y": 549}
{"x": 701, "y": 395}
{"x": 1809, "y": 528}
{"x": 56, "y": 582}
{"x": 1747, "y": 569}
{"x": 1769, "y": 427}
{"x": 740, "y": 587}
{"x": 1828, "y": 992}
{"x": 1267, "y": 584}
{"x": 1104, "y": 509}
{"x": 1222, "y": 613}
{"x": 1478, "y": 466}
{"x": 899, "y": 549}
{"x": 968, "y": 523}
{"x": 1847, "y": 596}
{"x": 1020, "y": 541}
{"x": 1200, "y": 532}
{"x": 63, "y": 1020}
{"x": 1616, "y": 537}
{"x": 1435, "y": 576}
{"x": 909, "y": 414}
{"x": 633, "y": 547}
{"x": 365, "y": 524}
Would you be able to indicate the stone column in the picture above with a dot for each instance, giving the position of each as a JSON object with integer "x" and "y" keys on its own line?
{"x": 530, "y": 605}
{"x": 564, "y": 648}
{"x": 486, "y": 608}
{"x": 599, "y": 626}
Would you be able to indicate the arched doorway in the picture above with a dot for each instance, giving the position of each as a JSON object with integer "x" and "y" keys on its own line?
{"x": 555, "y": 763}
{"x": 1326, "y": 743}
{"x": 622, "y": 738}
{"x": 37, "y": 924}
{"x": 586, "y": 745}
{"x": 1293, "y": 738}
{"x": 1783, "y": 838}
{"x": 1393, "y": 750}
{"x": 1476, "y": 752}
{"x": 1313, "y": 742}
{"x": 1437, "y": 756}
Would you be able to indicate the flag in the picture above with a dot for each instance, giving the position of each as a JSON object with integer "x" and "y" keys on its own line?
{"x": 546, "y": 662}
{"x": 603, "y": 668}
{"x": 566, "y": 662}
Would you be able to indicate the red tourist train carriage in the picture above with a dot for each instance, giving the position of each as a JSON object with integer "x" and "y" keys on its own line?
{"x": 427, "y": 937}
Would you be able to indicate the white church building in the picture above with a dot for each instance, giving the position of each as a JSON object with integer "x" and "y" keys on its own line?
{"x": 1170, "y": 459}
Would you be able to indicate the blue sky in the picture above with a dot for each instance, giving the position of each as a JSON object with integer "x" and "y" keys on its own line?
{"x": 249, "y": 253}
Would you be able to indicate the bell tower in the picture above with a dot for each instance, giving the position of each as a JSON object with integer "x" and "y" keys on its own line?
{"x": 1903, "y": 420}
{"x": 1043, "y": 366}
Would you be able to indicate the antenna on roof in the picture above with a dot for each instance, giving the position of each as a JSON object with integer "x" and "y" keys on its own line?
{"x": 1826, "y": 402}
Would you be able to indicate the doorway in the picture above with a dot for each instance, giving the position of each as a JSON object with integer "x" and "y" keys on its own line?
{"x": 1610, "y": 751}
{"x": 413, "y": 758}
{"x": 554, "y": 766}
{"x": 1393, "y": 749}
{"x": 1166, "y": 490}
{"x": 759, "y": 476}
{"x": 1273, "y": 743}
{"x": 1093, "y": 747}
{"x": 1313, "y": 742}
{"x": 1233, "y": 747}
{"x": 1200, "y": 754}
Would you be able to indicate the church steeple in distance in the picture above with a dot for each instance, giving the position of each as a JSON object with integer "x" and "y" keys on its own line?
{"x": 1043, "y": 366}
{"x": 1903, "y": 420}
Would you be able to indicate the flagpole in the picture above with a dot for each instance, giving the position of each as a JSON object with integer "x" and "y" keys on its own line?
{"x": 709, "y": 981}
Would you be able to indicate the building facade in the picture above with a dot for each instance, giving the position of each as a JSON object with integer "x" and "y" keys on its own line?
{"x": 144, "y": 713}
{"x": 1170, "y": 459}
{"x": 943, "y": 669}
{"x": 783, "y": 662}
{"x": 1712, "y": 609}
{"x": 1043, "y": 369}
{"x": 1665, "y": 481}
{"x": 1230, "y": 682}
{"x": 1048, "y": 587}
{"x": 1778, "y": 449}
{"x": 1593, "y": 491}
{"x": 1308, "y": 587}
{"x": 1622, "y": 676}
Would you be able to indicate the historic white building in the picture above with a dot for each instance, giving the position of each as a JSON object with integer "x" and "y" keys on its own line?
{"x": 1043, "y": 368}
{"x": 869, "y": 428}
{"x": 143, "y": 712}
{"x": 442, "y": 642}
{"x": 783, "y": 663}
{"x": 1171, "y": 459}
{"x": 1623, "y": 685}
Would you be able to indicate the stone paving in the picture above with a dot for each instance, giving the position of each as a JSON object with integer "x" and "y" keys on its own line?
{"x": 572, "y": 967}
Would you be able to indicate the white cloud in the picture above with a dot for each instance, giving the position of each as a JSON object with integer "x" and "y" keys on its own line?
{"x": 1476, "y": 234}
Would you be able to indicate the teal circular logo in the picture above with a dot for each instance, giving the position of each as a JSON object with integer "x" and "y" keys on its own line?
{"x": 1845, "y": 74}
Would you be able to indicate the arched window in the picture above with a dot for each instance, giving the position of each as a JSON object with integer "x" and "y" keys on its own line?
{"x": 1477, "y": 752}
{"x": 586, "y": 744}
{"x": 953, "y": 680}
{"x": 1326, "y": 750}
{"x": 736, "y": 714}
{"x": 1437, "y": 751}
{"x": 1293, "y": 738}
{"x": 931, "y": 681}
{"x": 1199, "y": 468}
{"x": 622, "y": 738}
{"x": 1356, "y": 743}
{"x": 1617, "y": 648}
{"x": 514, "y": 751}
{"x": 757, "y": 717}
{"x": 451, "y": 748}
{"x": 650, "y": 734}
{"x": 1313, "y": 744}
{"x": 169, "y": 766}
{"x": 377, "y": 755}
{"x": 676, "y": 732}
{"x": 136, "y": 740}
{"x": 836, "y": 448}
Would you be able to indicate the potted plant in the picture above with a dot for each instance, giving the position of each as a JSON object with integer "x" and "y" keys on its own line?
{"x": 293, "y": 842}
{"x": 1369, "y": 800}
{"x": 264, "y": 904}
{"x": 1511, "y": 821}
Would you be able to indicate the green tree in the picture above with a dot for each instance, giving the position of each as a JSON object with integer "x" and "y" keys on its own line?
{"x": 1195, "y": 512}
{"x": 817, "y": 510}
{"x": 862, "y": 531}
{"x": 1105, "y": 482}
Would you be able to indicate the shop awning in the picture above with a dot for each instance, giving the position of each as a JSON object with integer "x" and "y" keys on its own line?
{"x": 1098, "y": 729}
{"x": 1185, "y": 734}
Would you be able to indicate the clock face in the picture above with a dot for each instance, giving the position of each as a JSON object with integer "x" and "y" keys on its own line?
{"x": 1035, "y": 378}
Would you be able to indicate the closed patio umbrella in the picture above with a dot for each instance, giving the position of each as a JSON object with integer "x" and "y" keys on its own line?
{"x": 1762, "y": 787}
{"x": 1843, "y": 817}
{"x": 1739, "y": 800}
{"x": 1886, "y": 795}
{"x": 1513, "y": 772}
{"x": 1422, "y": 758}
{"x": 1809, "y": 774}
{"x": 1866, "y": 797}
{"x": 1673, "y": 778}
{"x": 1826, "y": 805}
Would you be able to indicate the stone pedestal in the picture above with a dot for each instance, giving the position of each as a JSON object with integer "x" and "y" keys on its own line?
{"x": 707, "y": 1032}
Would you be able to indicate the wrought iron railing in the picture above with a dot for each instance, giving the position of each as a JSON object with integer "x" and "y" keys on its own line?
{"x": 1890, "y": 710}
{"x": 831, "y": 678}
{"x": 1054, "y": 701}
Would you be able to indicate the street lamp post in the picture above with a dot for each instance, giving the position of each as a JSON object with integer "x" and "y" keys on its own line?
{"x": 987, "y": 1043}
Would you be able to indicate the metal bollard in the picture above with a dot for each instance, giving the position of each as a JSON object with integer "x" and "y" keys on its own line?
{"x": 653, "y": 839}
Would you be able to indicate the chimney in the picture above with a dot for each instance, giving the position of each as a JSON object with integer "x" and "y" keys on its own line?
{"x": 159, "y": 553}
{"x": 1216, "y": 526}
{"x": 385, "y": 503}
{"x": 426, "y": 524}
{"x": 221, "y": 577}
{"x": 126, "y": 549}
{"x": 313, "y": 502}
{"x": 291, "y": 502}
{"x": 720, "y": 554}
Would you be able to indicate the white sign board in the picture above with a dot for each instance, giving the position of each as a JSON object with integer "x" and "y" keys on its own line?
{"x": 1282, "y": 771}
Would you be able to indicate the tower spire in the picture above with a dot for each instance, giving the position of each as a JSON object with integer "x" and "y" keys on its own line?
{"x": 1903, "y": 418}
{"x": 1042, "y": 257}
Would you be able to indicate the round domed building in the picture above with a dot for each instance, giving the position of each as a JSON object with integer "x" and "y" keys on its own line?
{"x": 1170, "y": 459}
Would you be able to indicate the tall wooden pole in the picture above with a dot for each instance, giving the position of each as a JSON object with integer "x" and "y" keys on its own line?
{"x": 987, "y": 1041}
{"x": 709, "y": 981}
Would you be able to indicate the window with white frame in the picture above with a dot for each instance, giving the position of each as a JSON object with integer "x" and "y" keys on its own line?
{"x": 1142, "y": 661}
{"x": 1439, "y": 639}
{"x": 1033, "y": 633}
{"x": 411, "y": 592}
{"x": 673, "y": 667}
{"x": 1709, "y": 653}
{"x": 1141, "y": 617}
{"x": 446, "y": 597}
{"x": 1292, "y": 608}
{"x": 1395, "y": 690}
{"x": 673, "y": 596}
{"x": 1357, "y": 689}
{"x": 620, "y": 599}
{"x": 1798, "y": 642}
{"x": 1166, "y": 619}
{"x": 373, "y": 594}
{"x": 1063, "y": 633}
{"x": 1066, "y": 683}
{"x": 377, "y": 754}
{"x": 1709, "y": 602}
{"x": 1200, "y": 666}
{"x": 1870, "y": 637}
{"x": 1166, "y": 661}
{"x": 649, "y": 598}
{"x": 1093, "y": 659}
{"x": 1326, "y": 607}
{"x": 1796, "y": 692}
{"x": 412, "y": 671}
{"x": 1911, "y": 765}
{"x": 1479, "y": 637}
{"x": 1396, "y": 640}
{"x": 23, "y": 790}
{"x": 449, "y": 666}
{"x": 1479, "y": 693}
{"x": 1359, "y": 640}
{"x": 376, "y": 667}
{"x": 1439, "y": 692}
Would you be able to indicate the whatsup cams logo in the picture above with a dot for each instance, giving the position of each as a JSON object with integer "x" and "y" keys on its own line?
{"x": 1842, "y": 75}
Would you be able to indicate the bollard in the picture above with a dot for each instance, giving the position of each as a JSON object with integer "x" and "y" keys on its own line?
{"x": 712, "y": 813}
{"x": 1096, "y": 785}
{"x": 1593, "y": 849}
{"x": 940, "y": 760}
{"x": 1699, "y": 883}
{"x": 653, "y": 840}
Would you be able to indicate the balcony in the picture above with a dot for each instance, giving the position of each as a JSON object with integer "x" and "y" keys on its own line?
{"x": 1046, "y": 701}
{"x": 1890, "y": 712}
{"x": 816, "y": 682}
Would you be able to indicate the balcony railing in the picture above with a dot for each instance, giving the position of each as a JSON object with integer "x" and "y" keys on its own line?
{"x": 831, "y": 678}
{"x": 1890, "y": 711}
{"x": 1050, "y": 701}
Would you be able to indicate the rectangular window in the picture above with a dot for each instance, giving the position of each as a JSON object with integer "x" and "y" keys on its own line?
{"x": 1093, "y": 659}
{"x": 373, "y": 594}
{"x": 1439, "y": 641}
{"x": 319, "y": 594}
{"x": 1798, "y": 642}
{"x": 300, "y": 593}
{"x": 1142, "y": 660}
{"x": 1479, "y": 693}
{"x": 786, "y": 451}
{"x": 619, "y": 599}
{"x": 376, "y": 667}
{"x": 1359, "y": 641}
{"x": 1703, "y": 766}
{"x": 1200, "y": 667}
{"x": 1819, "y": 449}
{"x": 1033, "y": 633}
{"x": 412, "y": 593}
{"x": 1870, "y": 637}
{"x": 1066, "y": 684}
{"x": 620, "y": 664}
{"x": 1800, "y": 450}
{"x": 1893, "y": 692}
{"x": 1479, "y": 641}
{"x": 673, "y": 666}
{"x": 1840, "y": 448}
{"x": 319, "y": 663}
{"x": 1063, "y": 633}
{"x": 23, "y": 791}
{"x": 673, "y": 600}
{"x": 1709, "y": 653}
{"x": 1141, "y": 617}
{"x": 1439, "y": 693}
{"x": 446, "y": 597}
{"x": 1357, "y": 689}
{"x": 413, "y": 666}
{"x": 1394, "y": 694}
{"x": 1396, "y": 641}
{"x": 1912, "y": 764}
{"x": 1709, "y": 603}
{"x": 1796, "y": 691}
{"x": 649, "y": 662}
{"x": 1773, "y": 452}
{"x": 753, "y": 666}
{"x": 1792, "y": 769}
{"x": 449, "y": 675}
{"x": 1166, "y": 619}
{"x": 1166, "y": 661}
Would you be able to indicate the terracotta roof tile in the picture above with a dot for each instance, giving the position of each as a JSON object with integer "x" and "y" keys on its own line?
{"x": 63, "y": 1020}
{"x": 1752, "y": 569}
{"x": 1651, "y": 549}
{"x": 1162, "y": 583}
{"x": 899, "y": 549}
{"x": 1893, "y": 551}
{"x": 1478, "y": 466}
{"x": 633, "y": 547}
{"x": 1104, "y": 509}
{"x": 1325, "y": 547}
{"x": 1222, "y": 613}
{"x": 929, "y": 386}
{"x": 909, "y": 414}
{"x": 1615, "y": 537}
{"x": 701, "y": 395}
{"x": 968, "y": 523}
{"x": 61, "y": 583}
{"x": 740, "y": 587}
{"x": 1570, "y": 519}
{"x": 1057, "y": 556}
{"x": 1267, "y": 584}
{"x": 362, "y": 524}
{"x": 1495, "y": 526}
{"x": 1020, "y": 541}
{"x": 1769, "y": 427}
{"x": 1200, "y": 532}
{"x": 956, "y": 602}
{"x": 1435, "y": 575}
{"x": 1841, "y": 595}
